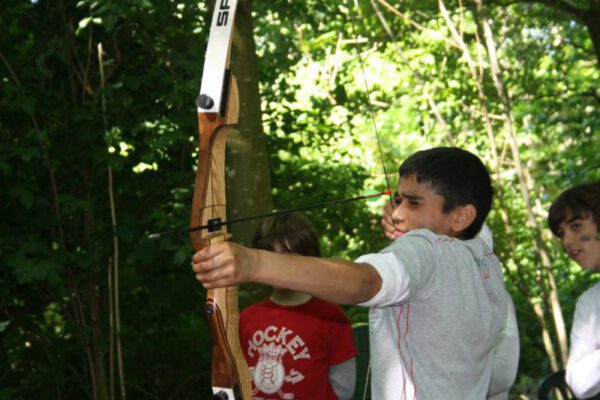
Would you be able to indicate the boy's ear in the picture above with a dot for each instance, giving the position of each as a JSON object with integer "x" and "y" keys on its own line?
{"x": 464, "y": 217}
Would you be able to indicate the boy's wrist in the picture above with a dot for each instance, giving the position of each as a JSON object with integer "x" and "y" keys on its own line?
{"x": 260, "y": 263}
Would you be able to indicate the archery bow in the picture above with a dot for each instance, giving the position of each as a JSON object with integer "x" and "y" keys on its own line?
{"x": 218, "y": 109}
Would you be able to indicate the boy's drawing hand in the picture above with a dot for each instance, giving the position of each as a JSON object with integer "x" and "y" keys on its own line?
{"x": 388, "y": 223}
{"x": 222, "y": 264}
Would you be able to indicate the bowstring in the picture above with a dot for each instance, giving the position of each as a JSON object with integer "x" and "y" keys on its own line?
{"x": 370, "y": 111}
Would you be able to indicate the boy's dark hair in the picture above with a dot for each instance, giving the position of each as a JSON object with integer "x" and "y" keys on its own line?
{"x": 457, "y": 175}
{"x": 291, "y": 233}
{"x": 580, "y": 201}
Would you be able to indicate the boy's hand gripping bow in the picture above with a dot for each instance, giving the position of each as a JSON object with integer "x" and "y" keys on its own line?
{"x": 218, "y": 109}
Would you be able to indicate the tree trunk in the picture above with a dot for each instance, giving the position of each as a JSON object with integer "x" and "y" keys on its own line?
{"x": 247, "y": 165}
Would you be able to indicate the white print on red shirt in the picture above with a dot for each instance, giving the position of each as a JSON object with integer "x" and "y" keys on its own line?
{"x": 272, "y": 344}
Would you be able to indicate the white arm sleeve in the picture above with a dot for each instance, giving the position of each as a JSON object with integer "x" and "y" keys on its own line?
{"x": 342, "y": 377}
{"x": 407, "y": 269}
{"x": 505, "y": 357}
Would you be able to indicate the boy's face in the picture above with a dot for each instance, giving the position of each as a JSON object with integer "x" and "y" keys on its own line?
{"x": 581, "y": 240}
{"x": 416, "y": 206}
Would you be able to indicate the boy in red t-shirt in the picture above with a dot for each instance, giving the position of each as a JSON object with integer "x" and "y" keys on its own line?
{"x": 297, "y": 346}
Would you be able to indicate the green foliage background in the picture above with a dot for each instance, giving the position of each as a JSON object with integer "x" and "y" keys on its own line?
{"x": 334, "y": 113}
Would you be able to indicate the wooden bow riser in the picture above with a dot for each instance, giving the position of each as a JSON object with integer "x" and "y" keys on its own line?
{"x": 229, "y": 368}
{"x": 209, "y": 195}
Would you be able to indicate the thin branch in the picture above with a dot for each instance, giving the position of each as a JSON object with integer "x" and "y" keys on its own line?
{"x": 115, "y": 259}
{"x": 420, "y": 27}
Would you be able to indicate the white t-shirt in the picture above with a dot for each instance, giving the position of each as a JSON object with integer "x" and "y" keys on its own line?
{"x": 437, "y": 319}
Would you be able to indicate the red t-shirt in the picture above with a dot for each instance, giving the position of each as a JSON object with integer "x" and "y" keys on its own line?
{"x": 289, "y": 349}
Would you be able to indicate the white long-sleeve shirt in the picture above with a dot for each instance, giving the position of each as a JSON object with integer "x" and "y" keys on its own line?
{"x": 583, "y": 367}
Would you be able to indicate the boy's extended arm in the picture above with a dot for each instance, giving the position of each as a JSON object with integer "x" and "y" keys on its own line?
{"x": 337, "y": 281}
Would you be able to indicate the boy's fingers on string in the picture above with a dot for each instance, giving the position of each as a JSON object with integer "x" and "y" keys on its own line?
{"x": 388, "y": 209}
{"x": 388, "y": 226}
